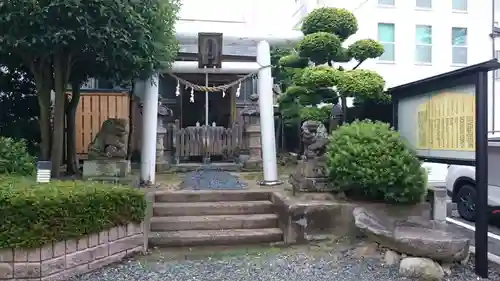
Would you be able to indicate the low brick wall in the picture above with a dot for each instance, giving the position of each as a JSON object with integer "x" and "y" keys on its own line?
{"x": 62, "y": 260}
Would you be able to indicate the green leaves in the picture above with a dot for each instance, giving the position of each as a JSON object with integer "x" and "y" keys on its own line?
{"x": 339, "y": 22}
{"x": 14, "y": 158}
{"x": 319, "y": 47}
{"x": 364, "y": 49}
{"x": 36, "y": 214}
{"x": 364, "y": 84}
{"x": 319, "y": 77}
{"x": 369, "y": 160}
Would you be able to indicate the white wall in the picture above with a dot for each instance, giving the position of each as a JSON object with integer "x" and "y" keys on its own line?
{"x": 233, "y": 16}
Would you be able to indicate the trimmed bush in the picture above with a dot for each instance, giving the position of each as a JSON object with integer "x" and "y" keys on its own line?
{"x": 14, "y": 157}
{"x": 34, "y": 214}
{"x": 370, "y": 161}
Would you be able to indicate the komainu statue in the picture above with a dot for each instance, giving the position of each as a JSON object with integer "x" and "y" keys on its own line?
{"x": 314, "y": 138}
{"x": 111, "y": 142}
{"x": 311, "y": 174}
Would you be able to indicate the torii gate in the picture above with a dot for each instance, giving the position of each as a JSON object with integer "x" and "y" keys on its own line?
{"x": 264, "y": 86}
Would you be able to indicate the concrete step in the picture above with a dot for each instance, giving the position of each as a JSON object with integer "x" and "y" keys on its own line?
{"x": 212, "y": 208}
{"x": 211, "y": 195}
{"x": 215, "y": 237}
{"x": 214, "y": 222}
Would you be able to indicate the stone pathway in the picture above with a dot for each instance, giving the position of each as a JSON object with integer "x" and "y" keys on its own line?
{"x": 211, "y": 179}
{"x": 322, "y": 264}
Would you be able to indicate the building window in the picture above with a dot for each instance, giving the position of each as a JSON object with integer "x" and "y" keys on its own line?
{"x": 386, "y": 37}
{"x": 423, "y": 44}
{"x": 386, "y": 2}
{"x": 426, "y": 4}
{"x": 459, "y": 5}
{"x": 459, "y": 45}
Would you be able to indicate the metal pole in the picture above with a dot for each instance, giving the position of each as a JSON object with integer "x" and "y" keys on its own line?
{"x": 493, "y": 49}
{"x": 206, "y": 99}
{"x": 481, "y": 234}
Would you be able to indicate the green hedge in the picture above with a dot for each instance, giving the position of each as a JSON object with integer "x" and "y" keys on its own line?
{"x": 34, "y": 214}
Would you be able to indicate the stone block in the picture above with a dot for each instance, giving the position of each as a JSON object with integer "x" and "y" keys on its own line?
{"x": 103, "y": 237}
{"x": 82, "y": 243}
{"x": 122, "y": 231}
{"x": 47, "y": 252}
{"x": 100, "y": 251}
{"x": 71, "y": 246}
{"x": 124, "y": 244}
{"x": 93, "y": 240}
{"x": 59, "y": 249}
{"x": 106, "y": 261}
{"x": 113, "y": 234}
{"x": 20, "y": 255}
{"x": 27, "y": 270}
{"x": 78, "y": 258}
{"x": 53, "y": 265}
{"x": 34, "y": 255}
{"x": 310, "y": 175}
{"x": 6, "y": 255}
{"x": 106, "y": 168}
{"x": 65, "y": 275}
{"x": 6, "y": 270}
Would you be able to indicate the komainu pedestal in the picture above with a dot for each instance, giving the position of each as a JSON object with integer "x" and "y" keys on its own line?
{"x": 108, "y": 152}
{"x": 311, "y": 174}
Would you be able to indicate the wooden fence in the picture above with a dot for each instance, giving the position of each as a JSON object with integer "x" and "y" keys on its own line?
{"x": 94, "y": 108}
{"x": 206, "y": 141}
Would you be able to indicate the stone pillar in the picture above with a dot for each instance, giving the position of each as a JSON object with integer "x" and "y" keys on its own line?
{"x": 252, "y": 132}
{"x": 266, "y": 108}
{"x": 162, "y": 158}
{"x": 149, "y": 126}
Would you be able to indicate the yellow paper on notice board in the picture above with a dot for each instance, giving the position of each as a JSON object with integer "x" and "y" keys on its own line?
{"x": 447, "y": 122}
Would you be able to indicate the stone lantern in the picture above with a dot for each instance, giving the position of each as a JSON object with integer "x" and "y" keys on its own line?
{"x": 252, "y": 135}
{"x": 335, "y": 117}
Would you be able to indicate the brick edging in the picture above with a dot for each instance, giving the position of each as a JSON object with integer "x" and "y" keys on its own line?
{"x": 62, "y": 260}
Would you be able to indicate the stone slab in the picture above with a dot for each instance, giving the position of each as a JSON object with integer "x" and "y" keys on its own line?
{"x": 106, "y": 168}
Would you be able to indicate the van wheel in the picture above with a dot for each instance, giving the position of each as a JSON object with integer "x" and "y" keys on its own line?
{"x": 466, "y": 202}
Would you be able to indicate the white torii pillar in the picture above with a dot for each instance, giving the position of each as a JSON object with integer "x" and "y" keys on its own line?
{"x": 150, "y": 89}
{"x": 266, "y": 106}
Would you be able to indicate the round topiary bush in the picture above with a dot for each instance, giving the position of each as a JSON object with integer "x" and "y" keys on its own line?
{"x": 370, "y": 161}
{"x": 338, "y": 21}
{"x": 14, "y": 157}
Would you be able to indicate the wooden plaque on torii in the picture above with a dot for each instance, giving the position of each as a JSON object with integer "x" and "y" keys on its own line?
{"x": 209, "y": 50}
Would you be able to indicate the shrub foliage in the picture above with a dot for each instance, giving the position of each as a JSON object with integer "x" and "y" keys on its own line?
{"x": 14, "y": 157}
{"x": 35, "y": 214}
{"x": 371, "y": 161}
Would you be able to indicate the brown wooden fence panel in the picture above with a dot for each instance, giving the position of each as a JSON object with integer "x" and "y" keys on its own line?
{"x": 94, "y": 108}
{"x": 205, "y": 141}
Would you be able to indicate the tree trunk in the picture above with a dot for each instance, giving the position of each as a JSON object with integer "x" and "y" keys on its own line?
{"x": 344, "y": 109}
{"x": 44, "y": 121}
{"x": 60, "y": 82}
{"x": 72, "y": 164}
{"x": 43, "y": 81}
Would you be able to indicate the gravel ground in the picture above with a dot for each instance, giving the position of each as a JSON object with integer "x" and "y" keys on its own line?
{"x": 267, "y": 266}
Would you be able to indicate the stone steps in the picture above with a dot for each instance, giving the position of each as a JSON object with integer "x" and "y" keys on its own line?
{"x": 253, "y": 221}
{"x": 212, "y": 208}
{"x": 215, "y": 237}
{"x": 209, "y": 217}
{"x": 210, "y": 196}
